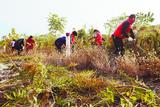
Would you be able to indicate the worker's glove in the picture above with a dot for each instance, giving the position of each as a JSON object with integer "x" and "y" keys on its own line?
{"x": 134, "y": 39}
{"x": 130, "y": 39}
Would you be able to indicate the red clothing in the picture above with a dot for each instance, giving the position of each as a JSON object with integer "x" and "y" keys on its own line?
{"x": 72, "y": 39}
{"x": 123, "y": 29}
{"x": 98, "y": 39}
{"x": 30, "y": 43}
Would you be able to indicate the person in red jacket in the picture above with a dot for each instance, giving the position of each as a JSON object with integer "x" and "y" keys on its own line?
{"x": 73, "y": 40}
{"x": 121, "y": 33}
{"x": 30, "y": 43}
{"x": 98, "y": 37}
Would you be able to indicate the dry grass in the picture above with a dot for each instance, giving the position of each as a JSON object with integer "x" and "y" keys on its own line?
{"x": 29, "y": 67}
{"x": 90, "y": 58}
{"x": 88, "y": 86}
{"x": 98, "y": 60}
{"x": 82, "y": 59}
{"x": 149, "y": 67}
{"x": 128, "y": 64}
{"x": 146, "y": 66}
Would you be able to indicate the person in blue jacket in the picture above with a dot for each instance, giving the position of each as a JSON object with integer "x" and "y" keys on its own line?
{"x": 60, "y": 43}
{"x": 19, "y": 45}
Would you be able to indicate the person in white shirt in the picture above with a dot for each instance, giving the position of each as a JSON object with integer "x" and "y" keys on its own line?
{"x": 13, "y": 44}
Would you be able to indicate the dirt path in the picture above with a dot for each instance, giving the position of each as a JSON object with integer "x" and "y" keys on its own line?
{"x": 3, "y": 71}
{"x": 8, "y": 80}
{"x": 6, "y": 73}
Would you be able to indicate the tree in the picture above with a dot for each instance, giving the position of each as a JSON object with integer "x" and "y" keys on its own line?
{"x": 13, "y": 34}
{"x": 91, "y": 31}
{"x": 142, "y": 19}
{"x": 56, "y": 24}
{"x": 82, "y": 32}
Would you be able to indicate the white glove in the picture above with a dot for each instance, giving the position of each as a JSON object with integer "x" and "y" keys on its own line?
{"x": 134, "y": 39}
{"x": 130, "y": 39}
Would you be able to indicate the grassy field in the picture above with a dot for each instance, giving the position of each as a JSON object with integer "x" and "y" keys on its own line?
{"x": 90, "y": 77}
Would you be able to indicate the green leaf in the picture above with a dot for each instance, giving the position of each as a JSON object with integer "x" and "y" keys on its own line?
{"x": 133, "y": 98}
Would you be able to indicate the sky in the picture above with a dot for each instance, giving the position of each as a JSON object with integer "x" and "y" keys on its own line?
{"x": 30, "y": 16}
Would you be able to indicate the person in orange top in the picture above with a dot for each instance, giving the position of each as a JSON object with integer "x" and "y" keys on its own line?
{"x": 30, "y": 43}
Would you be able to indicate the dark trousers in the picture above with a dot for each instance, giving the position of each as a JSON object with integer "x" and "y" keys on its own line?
{"x": 118, "y": 43}
{"x": 19, "y": 48}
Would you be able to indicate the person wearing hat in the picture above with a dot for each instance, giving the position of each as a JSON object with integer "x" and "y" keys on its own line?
{"x": 121, "y": 33}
